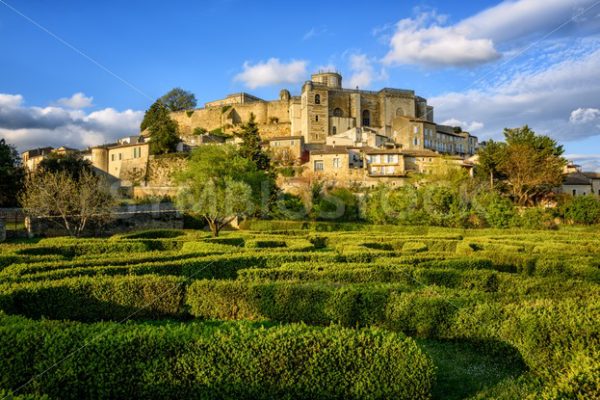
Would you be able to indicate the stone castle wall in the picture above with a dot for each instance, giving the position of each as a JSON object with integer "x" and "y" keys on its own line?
{"x": 272, "y": 116}
{"x": 161, "y": 170}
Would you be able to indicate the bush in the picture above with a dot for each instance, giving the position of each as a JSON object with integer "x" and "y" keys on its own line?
{"x": 211, "y": 361}
{"x": 96, "y": 299}
{"x": 582, "y": 210}
{"x": 288, "y": 207}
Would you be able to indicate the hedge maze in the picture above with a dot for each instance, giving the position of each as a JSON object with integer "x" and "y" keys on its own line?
{"x": 290, "y": 310}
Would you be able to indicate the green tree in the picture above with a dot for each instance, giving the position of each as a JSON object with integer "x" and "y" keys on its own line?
{"x": 220, "y": 184}
{"x": 72, "y": 164}
{"x": 491, "y": 157}
{"x": 178, "y": 99}
{"x": 11, "y": 175}
{"x": 164, "y": 132}
{"x": 153, "y": 114}
{"x": 532, "y": 164}
{"x": 251, "y": 146}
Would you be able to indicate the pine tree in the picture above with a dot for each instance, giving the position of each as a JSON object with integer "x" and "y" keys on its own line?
{"x": 251, "y": 145}
{"x": 164, "y": 132}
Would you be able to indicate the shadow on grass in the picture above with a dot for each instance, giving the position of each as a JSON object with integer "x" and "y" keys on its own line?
{"x": 466, "y": 367}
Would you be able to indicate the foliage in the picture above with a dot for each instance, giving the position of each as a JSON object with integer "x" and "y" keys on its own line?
{"x": 69, "y": 202}
{"x": 288, "y": 207}
{"x": 251, "y": 146}
{"x": 164, "y": 132}
{"x": 178, "y": 99}
{"x": 339, "y": 204}
{"x": 503, "y": 313}
{"x": 213, "y": 360}
{"x": 496, "y": 210}
{"x": 72, "y": 164}
{"x": 221, "y": 184}
{"x": 12, "y": 175}
{"x": 582, "y": 210}
{"x": 491, "y": 158}
{"x": 532, "y": 165}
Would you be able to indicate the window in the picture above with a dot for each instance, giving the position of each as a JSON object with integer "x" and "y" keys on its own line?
{"x": 112, "y": 157}
{"x": 317, "y": 99}
{"x": 120, "y": 156}
{"x": 318, "y": 165}
{"x": 392, "y": 158}
{"x": 334, "y": 130}
{"x": 338, "y": 112}
{"x": 291, "y": 142}
{"x": 574, "y": 192}
{"x": 316, "y": 118}
{"x": 415, "y": 129}
{"x": 366, "y": 118}
{"x": 336, "y": 163}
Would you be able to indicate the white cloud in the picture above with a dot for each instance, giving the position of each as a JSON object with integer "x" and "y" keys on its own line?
{"x": 28, "y": 127}
{"x": 585, "y": 115}
{"x": 544, "y": 99}
{"x": 10, "y": 100}
{"x": 426, "y": 40}
{"x": 272, "y": 72}
{"x": 76, "y": 102}
{"x": 363, "y": 71}
{"x": 471, "y": 127}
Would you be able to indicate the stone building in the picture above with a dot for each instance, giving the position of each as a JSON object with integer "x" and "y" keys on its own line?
{"x": 125, "y": 160}
{"x": 324, "y": 110}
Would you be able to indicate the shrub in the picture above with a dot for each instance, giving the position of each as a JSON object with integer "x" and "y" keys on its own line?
{"x": 99, "y": 298}
{"x": 582, "y": 210}
{"x": 265, "y": 244}
{"x": 211, "y": 361}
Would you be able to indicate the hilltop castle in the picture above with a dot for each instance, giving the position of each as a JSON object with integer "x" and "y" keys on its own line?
{"x": 349, "y": 136}
{"x": 325, "y": 109}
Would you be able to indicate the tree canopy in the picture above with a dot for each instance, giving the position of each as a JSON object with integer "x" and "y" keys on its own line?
{"x": 72, "y": 164}
{"x": 178, "y": 99}
{"x": 527, "y": 166}
{"x": 11, "y": 175}
{"x": 251, "y": 147}
{"x": 532, "y": 164}
{"x": 220, "y": 184}
{"x": 164, "y": 132}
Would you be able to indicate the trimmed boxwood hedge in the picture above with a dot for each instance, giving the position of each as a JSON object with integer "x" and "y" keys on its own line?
{"x": 96, "y": 299}
{"x": 207, "y": 361}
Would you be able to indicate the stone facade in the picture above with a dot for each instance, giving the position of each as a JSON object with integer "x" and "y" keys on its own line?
{"x": 325, "y": 109}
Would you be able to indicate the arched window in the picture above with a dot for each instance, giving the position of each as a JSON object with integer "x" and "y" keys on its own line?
{"x": 317, "y": 99}
{"x": 399, "y": 112}
{"x": 366, "y": 118}
{"x": 338, "y": 112}
{"x": 334, "y": 130}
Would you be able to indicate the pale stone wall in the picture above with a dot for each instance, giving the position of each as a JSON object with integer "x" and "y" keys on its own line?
{"x": 273, "y": 117}
{"x": 161, "y": 170}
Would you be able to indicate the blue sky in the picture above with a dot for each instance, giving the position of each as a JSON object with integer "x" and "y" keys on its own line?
{"x": 81, "y": 73}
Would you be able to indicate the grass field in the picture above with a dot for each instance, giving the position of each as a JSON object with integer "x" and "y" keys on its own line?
{"x": 297, "y": 310}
